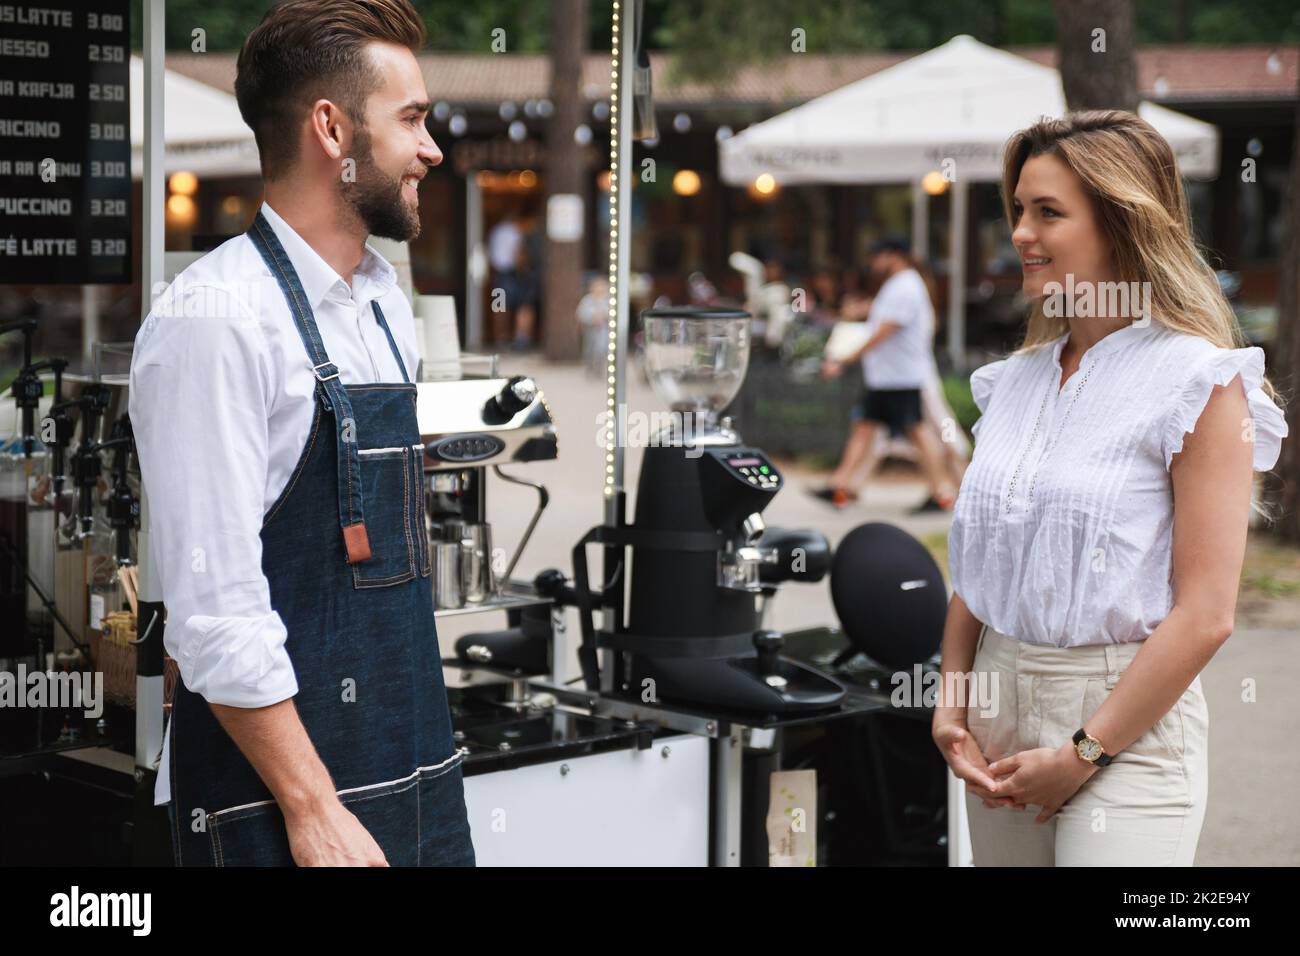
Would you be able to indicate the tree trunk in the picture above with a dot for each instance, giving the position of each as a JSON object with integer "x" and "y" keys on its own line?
{"x": 1182, "y": 21}
{"x": 566, "y": 174}
{"x": 1282, "y": 486}
{"x": 1098, "y": 69}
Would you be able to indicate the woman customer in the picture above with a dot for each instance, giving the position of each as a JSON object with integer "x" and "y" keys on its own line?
{"x": 1099, "y": 533}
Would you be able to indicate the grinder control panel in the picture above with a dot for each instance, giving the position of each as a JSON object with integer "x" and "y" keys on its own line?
{"x": 753, "y": 469}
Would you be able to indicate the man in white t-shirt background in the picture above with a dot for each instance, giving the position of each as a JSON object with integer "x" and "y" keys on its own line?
{"x": 896, "y": 360}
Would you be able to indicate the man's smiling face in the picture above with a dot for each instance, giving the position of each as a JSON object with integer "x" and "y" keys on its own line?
{"x": 393, "y": 149}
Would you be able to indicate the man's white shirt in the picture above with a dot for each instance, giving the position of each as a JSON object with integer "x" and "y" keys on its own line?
{"x": 903, "y": 359}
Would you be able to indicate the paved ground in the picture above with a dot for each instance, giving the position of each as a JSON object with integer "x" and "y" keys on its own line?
{"x": 1253, "y": 746}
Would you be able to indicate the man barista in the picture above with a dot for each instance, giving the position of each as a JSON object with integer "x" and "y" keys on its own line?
{"x": 274, "y": 413}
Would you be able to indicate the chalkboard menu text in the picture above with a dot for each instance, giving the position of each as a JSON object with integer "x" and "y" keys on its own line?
{"x": 65, "y": 142}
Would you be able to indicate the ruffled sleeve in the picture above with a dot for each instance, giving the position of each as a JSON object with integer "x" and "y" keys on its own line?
{"x": 983, "y": 380}
{"x": 982, "y": 383}
{"x": 1219, "y": 368}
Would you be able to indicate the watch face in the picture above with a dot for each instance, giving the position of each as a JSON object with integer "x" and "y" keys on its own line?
{"x": 1089, "y": 749}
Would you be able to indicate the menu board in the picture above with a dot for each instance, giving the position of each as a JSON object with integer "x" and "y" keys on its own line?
{"x": 65, "y": 142}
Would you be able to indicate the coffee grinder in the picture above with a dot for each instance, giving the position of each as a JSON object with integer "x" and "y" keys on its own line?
{"x": 703, "y": 564}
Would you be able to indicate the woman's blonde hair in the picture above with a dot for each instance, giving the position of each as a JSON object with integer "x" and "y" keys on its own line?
{"x": 1130, "y": 172}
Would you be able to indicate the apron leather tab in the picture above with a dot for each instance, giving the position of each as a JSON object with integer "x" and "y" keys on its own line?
{"x": 357, "y": 542}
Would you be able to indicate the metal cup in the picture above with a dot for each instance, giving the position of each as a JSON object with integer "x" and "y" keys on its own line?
{"x": 447, "y": 591}
{"x": 476, "y": 563}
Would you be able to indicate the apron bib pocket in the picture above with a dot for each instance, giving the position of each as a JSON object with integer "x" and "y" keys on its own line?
{"x": 386, "y": 488}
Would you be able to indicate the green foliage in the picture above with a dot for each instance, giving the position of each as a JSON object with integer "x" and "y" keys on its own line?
{"x": 956, "y": 389}
{"x": 1028, "y": 22}
{"x": 225, "y": 24}
{"x": 1219, "y": 21}
{"x": 1265, "y": 22}
{"x": 451, "y": 24}
{"x": 1271, "y": 585}
{"x": 712, "y": 37}
{"x": 456, "y": 25}
{"x": 7, "y": 376}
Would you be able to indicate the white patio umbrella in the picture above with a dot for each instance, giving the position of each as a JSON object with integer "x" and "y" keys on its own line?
{"x": 960, "y": 102}
{"x": 204, "y": 132}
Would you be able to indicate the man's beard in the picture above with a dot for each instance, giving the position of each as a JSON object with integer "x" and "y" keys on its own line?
{"x": 376, "y": 197}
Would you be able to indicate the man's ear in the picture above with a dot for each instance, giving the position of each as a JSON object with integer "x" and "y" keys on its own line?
{"x": 331, "y": 128}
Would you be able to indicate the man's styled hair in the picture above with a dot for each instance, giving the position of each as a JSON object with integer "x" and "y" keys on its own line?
{"x": 305, "y": 50}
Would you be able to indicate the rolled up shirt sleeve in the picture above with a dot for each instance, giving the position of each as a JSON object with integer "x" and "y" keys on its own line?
{"x": 200, "y": 383}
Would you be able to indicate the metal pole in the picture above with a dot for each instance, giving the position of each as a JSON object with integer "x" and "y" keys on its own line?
{"x": 957, "y": 276}
{"x": 474, "y": 267}
{"x": 154, "y": 175}
{"x": 89, "y": 324}
{"x": 620, "y": 156}
{"x": 959, "y": 849}
{"x": 728, "y": 792}
{"x": 620, "y": 167}
{"x": 149, "y": 671}
{"x": 920, "y": 222}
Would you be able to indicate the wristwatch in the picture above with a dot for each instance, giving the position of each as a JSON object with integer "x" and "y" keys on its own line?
{"x": 1089, "y": 748}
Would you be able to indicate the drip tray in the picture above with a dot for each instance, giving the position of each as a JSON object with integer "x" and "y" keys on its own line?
{"x": 499, "y": 737}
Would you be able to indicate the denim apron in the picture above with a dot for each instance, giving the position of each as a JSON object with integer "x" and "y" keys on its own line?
{"x": 347, "y": 558}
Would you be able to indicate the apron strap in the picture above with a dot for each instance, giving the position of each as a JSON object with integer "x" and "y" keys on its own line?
{"x": 329, "y": 390}
{"x": 383, "y": 324}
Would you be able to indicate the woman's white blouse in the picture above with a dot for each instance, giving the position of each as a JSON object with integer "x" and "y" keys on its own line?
{"x": 1062, "y": 530}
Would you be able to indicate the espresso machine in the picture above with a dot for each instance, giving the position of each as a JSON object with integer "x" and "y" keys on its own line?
{"x": 703, "y": 564}
{"x": 69, "y": 514}
{"x": 70, "y": 487}
{"x": 467, "y": 426}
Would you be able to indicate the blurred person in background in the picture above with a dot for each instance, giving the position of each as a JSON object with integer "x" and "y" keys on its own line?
{"x": 855, "y": 306}
{"x": 505, "y": 241}
{"x": 593, "y": 316}
{"x": 855, "y": 300}
{"x": 825, "y": 299}
{"x": 528, "y": 285}
{"x": 898, "y": 367}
